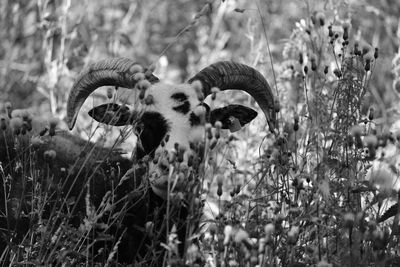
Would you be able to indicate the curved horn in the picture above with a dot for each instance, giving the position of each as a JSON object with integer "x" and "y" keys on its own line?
{"x": 230, "y": 75}
{"x": 113, "y": 72}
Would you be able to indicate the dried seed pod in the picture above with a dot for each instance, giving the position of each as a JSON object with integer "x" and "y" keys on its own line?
{"x": 367, "y": 65}
{"x": 219, "y": 191}
{"x": 376, "y": 53}
{"x": 320, "y": 16}
{"x": 149, "y": 100}
{"x": 15, "y": 125}
{"x": 346, "y": 27}
{"x": 139, "y": 76}
{"x": 301, "y": 59}
{"x": 371, "y": 114}
{"x": 305, "y": 70}
{"x": 49, "y": 155}
{"x": 337, "y": 73}
{"x": 3, "y": 123}
{"x": 313, "y": 64}
{"x": 330, "y": 32}
{"x": 277, "y": 105}
{"x": 8, "y": 109}
{"x": 143, "y": 85}
{"x": 110, "y": 93}
{"x": 136, "y": 69}
{"x": 228, "y": 234}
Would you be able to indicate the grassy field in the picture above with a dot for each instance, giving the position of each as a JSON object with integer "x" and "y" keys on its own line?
{"x": 322, "y": 191}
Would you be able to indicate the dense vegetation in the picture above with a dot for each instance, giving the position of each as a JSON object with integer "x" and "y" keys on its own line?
{"x": 322, "y": 191}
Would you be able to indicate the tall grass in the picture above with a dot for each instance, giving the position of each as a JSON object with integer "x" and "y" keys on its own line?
{"x": 322, "y": 191}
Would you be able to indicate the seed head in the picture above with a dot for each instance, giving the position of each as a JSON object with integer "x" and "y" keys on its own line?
{"x": 337, "y": 73}
{"x": 371, "y": 141}
{"x": 301, "y": 60}
{"x": 330, "y": 32}
{"x": 320, "y": 17}
{"x": 110, "y": 92}
{"x": 149, "y": 100}
{"x": 376, "y": 53}
{"x": 143, "y": 84}
{"x": 209, "y": 130}
{"x": 227, "y": 233}
{"x": 8, "y": 105}
{"x": 241, "y": 236}
{"x": 8, "y": 108}
{"x": 53, "y": 122}
{"x": 313, "y": 64}
{"x": 371, "y": 114}
{"x": 3, "y": 123}
{"x": 220, "y": 180}
{"x": 213, "y": 229}
{"x": 367, "y": 65}
{"x": 326, "y": 68}
{"x": 16, "y": 113}
{"x": 357, "y": 52}
{"x": 238, "y": 188}
{"x": 305, "y": 70}
{"x": 277, "y": 105}
{"x": 218, "y": 125}
{"x": 50, "y": 155}
{"x": 15, "y": 125}
{"x": 36, "y": 142}
{"x": 139, "y": 76}
{"x": 136, "y": 69}
{"x": 356, "y": 130}
{"x": 269, "y": 229}
{"x": 365, "y": 48}
{"x": 24, "y": 127}
{"x": 200, "y": 112}
{"x": 346, "y": 27}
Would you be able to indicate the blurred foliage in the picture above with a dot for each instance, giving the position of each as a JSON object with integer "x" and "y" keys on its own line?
{"x": 46, "y": 43}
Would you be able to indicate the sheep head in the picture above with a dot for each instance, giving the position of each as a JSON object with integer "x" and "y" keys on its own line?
{"x": 171, "y": 114}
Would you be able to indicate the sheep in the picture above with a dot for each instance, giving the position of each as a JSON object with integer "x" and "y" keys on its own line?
{"x": 171, "y": 110}
{"x": 57, "y": 162}
{"x": 169, "y": 121}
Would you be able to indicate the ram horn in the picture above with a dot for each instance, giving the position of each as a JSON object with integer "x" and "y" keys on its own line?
{"x": 118, "y": 72}
{"x": 230, "y": 75}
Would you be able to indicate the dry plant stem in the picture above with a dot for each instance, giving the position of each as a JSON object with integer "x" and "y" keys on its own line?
{"x": 395, "y": 225}
{"x": 270, "y": 55}
{"x": 5, "y": 142}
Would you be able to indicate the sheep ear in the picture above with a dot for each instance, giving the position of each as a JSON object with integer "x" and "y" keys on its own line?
{"x": 111, "y": 114}
{"x": 233, "y": 117}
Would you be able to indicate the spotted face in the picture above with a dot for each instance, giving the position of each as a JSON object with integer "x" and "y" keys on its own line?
{"x": 176, "y": 104}
{"x": 169, "y": 116}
